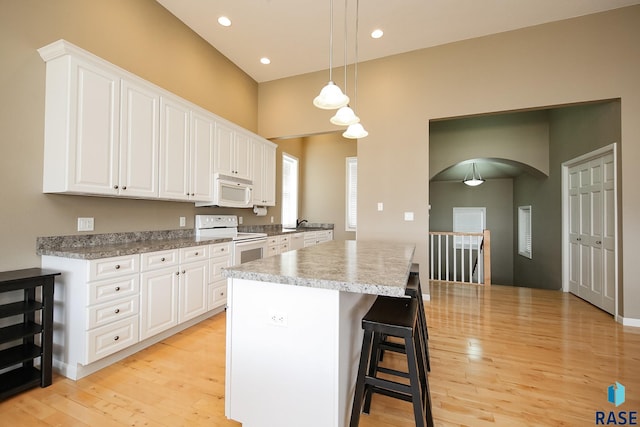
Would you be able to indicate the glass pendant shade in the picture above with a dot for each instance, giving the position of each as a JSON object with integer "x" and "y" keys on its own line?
{"x": 331, "y": 97}
{"x": 475, "y": 178}
{"x": 344, "y": 117}
{"x": 355, "y": 131}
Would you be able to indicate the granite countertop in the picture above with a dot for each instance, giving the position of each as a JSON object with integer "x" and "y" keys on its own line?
{"x": 108, "y": 245}
{"x": 380, "y": 268}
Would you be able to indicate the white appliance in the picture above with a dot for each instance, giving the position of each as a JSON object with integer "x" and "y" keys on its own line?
{"x": 231, "y": 192}
{"x": 246, "y": 246}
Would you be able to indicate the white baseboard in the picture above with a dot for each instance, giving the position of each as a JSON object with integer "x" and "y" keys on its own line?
{"x": 628, "y": 321}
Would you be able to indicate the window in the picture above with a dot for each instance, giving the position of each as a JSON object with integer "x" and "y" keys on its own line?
{"x": 289, "y": 190}
{"x": 469, "y": 220}
{"x": 352, "y": 194}
{"x": 524, "y": 231}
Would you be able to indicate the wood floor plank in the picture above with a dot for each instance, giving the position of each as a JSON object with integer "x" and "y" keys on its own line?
{"x": 500, "y": 356}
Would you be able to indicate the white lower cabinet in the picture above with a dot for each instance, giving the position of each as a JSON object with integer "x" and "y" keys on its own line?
{"x": 220, "y": 257}
{"x": 296, "y": 241}
{"x": 277, "y": 244}
{"x": 108, "y": 305}
{"x": 159, "y": 293}
{"x": 171, "y": 295}
{"x": 312, "y": 238}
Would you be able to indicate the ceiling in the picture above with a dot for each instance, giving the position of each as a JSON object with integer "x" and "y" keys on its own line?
{"x": 294, "y": 34}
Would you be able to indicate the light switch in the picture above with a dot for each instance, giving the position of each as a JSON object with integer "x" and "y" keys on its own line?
{"x": 183, "y": 221}
{"x": 380, "y": 206}
{"x": 85, "y": 224}
{"x": 408, "y": 216}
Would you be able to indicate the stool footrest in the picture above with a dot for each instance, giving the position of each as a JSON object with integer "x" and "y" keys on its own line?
{"x": 387, "y": 385}
{"x": 393, "y": 372}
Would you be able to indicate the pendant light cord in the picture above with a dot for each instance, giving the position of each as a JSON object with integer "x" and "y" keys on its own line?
{"x": 330, "y": 40}
{"x": 345, "y": 46}
{"x": 355, "y": 85}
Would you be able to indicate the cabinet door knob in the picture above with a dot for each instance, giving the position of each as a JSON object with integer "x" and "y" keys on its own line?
{"x": 183, "y": 271}
{"x": 196, "y": 253}
{"x": 177, "y": 273}
{"x": 117, "y": 266}
{"x": 117, "y": 288}
{"x": 116, "y": 338}
{"x": 579, "y": 239}
{"x": 124, "y": 187}
{"x": 598, "y": 242}
{"x": 162, "y": 259}
{"x": 117, "y": 311}
{"x": 115, "y": 187}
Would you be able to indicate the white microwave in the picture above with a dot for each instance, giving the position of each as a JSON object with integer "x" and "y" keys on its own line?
{"x": 231, "y": 192}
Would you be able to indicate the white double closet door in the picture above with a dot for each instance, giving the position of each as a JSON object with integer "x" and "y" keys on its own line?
{"x": 592, "y": 230}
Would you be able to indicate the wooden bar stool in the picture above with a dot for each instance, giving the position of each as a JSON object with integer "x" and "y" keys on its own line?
{"x": 392, "y": 317}
{"x": 414, "y": 290}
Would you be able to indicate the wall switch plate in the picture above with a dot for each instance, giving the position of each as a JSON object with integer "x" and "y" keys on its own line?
{"x": 183, "y": 221}
{"x": 240, "y": 220}
{"x": 380, "y": 206}
{"x": 85, "y": 224}
{"x": 408, "y": 216}
{"x": 271, "y": 220}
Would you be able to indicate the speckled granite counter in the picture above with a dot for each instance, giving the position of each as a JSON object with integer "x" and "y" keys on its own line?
{"x": 96, "y": 246}
{"x": 379, "y": 268}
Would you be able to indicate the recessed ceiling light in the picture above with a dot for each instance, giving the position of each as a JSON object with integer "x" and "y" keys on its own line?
{"x": 224, "y": 21}
{"x": 376, "y": 34}
{"x": 265, "y": 61}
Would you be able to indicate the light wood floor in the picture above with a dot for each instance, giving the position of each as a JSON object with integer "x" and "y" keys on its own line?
{"x": 500, "y": 356}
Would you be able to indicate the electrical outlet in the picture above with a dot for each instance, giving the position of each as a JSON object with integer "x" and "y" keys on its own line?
{"x": 183, "y": 221}
{"x": 240, "y": 220}
{"x": 85, "y": 224}
{"x": 271, "y": 220}
{"x": 380, "y": 206}
{"x": 408, "y": 216}
{"x": 278, "y": 318}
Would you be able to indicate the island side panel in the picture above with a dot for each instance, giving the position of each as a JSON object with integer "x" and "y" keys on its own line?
{"x": 295, "y": 369}
{"x": 353, "y": 307}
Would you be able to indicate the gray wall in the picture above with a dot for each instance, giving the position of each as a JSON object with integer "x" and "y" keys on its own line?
{"x": 496, "y": 195}
{"x": 573, "y": 131}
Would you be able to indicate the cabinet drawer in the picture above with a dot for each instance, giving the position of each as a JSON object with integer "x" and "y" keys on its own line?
{"x": 272, "y": 241}
{"x": 100, "y": 292}
{"x": 111, "y": 338}
{"x": 284, "y": 247}
{"x": 158, "y": 259}
{"x": 217, "y": 296}
{"x": 107, "y": 268}
{"x": 272, "y": 250}
{"x": 219, "y": 250}
{"x": 284, "y": 239}
{"x": 215, "y": 269}
{"x": 104, "y": 314}
{"x": 194, "y": 253}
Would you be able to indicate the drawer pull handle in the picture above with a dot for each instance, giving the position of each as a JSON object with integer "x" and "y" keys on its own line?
{"x": 196, "y": 253}
{"x": 184, "y": 271}
{"x": 117, "y": 311}
{"x": 117, "y": 266}
{"x": 177, "y": 273}
{"x": 598, "y": 242}
{"x": 222, "y": 250}
{"x": 116, "y": 338}
{"x": 117, "y": 288}
{"x": 162, "y": 259}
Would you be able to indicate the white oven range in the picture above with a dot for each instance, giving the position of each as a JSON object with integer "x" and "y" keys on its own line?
{"x": 245, "y": 246}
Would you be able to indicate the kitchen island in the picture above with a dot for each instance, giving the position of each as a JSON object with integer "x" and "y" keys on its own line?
{"x": 294, "y": 330}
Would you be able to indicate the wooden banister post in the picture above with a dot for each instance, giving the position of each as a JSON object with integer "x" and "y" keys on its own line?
{"x": 486, "y": 235}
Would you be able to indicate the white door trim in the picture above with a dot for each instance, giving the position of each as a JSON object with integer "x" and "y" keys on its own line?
{"x": 609, "y": 149}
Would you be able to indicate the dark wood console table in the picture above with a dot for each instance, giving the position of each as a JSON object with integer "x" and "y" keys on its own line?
{"x": 18, "y": 360}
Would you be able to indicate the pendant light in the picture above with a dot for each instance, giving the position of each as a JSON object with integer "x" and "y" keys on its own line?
{"x": 330, "y": 97}
{"x": 345, "y": 115}
{"x": 356, "y": 130}
{"x": 475, "y": 178}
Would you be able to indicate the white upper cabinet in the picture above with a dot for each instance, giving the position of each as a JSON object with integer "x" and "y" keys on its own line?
{"x": 138, "y": 140}
{"x": 201, "y": 156}
{"x": 174, "y": 149}
{"x": 264, "y": 173}
{"x": 232, "y": 154}
{"x": 111, "y": 133}
{"x": 81, "y": 128}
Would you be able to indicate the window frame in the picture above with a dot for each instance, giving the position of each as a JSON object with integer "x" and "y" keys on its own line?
{"x": 292, "y": 204}
{"x": 525, "y": 237}
{"x": 351, "y": 191}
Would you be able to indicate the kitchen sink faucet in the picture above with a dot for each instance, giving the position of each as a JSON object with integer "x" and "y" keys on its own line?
{"x": 299, "y": 222}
